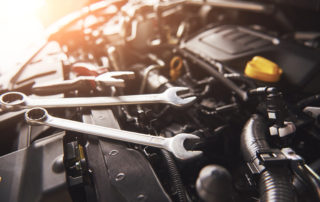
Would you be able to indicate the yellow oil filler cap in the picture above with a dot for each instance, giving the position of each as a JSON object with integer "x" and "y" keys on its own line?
{"x": 263, "y": 69}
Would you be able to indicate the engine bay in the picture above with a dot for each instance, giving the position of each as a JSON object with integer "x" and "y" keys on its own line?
{"x": 184, "y": 100}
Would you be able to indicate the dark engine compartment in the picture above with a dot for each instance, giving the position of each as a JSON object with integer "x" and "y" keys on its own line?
{"x": 259, "y": 140}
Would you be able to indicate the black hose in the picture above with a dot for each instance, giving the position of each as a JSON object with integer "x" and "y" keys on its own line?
{"x": 316, "y": 166}
{"x": 240, "y": 78}
{"x": 253, "y": 139}
{"x": 275, "y": 183}
{"x": 309, "y": 100}
{"x": 275, "y": 186}
{"x": 175, "y": 176}
{"x": 216, "y": 74}
{"x": 302, "y": 186}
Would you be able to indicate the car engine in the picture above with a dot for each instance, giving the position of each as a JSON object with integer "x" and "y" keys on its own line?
{"x": 212, "y": 100}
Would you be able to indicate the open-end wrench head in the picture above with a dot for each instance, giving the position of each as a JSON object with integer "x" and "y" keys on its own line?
{"x": 36, "y": 116}
{"x": 173, "y": 98}
{"x": 12, "y": 99}
{"x": 114, "y": 78}
{"x": 176, "y": 146}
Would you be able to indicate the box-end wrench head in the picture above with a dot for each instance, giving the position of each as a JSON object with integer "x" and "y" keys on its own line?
{"x": 175, "y": 145}
{"x": 15, "y": 100}
{"x": 12, "y": 100}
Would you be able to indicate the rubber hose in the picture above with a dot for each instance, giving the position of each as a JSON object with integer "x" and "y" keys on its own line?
{"x": 175, "y": 176}
{"x": 240, "y": 78}
{"x": 275, "y": 184}
{"x": 302, "y": 187}
{"x": 316, "y": 166}
{"x": 215, "y": 73}
{"x": 307, "y": 101}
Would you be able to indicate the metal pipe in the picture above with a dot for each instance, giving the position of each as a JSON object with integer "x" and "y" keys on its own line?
{"x": 241, "y": 5}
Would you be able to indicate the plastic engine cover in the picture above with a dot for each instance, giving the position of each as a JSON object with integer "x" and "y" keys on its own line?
{"x": 235, "y": 46}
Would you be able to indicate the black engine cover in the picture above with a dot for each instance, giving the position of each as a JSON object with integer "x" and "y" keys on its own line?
{"x": 235, "y": 46}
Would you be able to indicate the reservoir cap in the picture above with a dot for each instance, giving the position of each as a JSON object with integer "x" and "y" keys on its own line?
{"x": 263, "y": 69}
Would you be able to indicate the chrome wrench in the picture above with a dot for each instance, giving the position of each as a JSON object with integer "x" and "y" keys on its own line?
{"x": 106, "y": 79}
{"x": 12, "y": 101}
{"x": 39, "y": 116}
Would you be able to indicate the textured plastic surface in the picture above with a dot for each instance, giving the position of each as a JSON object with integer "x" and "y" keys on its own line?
{"x": 263, "y": 69}
{"x": 108, "y": 159}
{"x": 35, "y": 173}
{"x": 235, "y": 46}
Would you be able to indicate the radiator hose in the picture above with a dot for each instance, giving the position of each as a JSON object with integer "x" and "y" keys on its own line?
{"x": 175, "y": 176}
{"x": 274, "y": 182}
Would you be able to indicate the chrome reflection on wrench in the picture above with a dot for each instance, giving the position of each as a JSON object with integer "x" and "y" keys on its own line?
{"x": 174, "y": 144}
{"x": 17, "y": 100}
{"x": 107, "y": 79}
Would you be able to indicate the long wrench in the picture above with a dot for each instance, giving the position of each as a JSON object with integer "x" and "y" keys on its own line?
{"x": 16, "y": 100}
{"x": 175, "y": 145}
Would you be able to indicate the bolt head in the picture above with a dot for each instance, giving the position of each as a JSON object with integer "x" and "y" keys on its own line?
{"x": 120, "y": 177}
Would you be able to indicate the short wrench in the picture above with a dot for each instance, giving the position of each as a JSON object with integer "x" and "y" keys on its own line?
{"x": 16, "y": 100}
{"x": 39, "y": 116}
{"x": 106, "y": 79}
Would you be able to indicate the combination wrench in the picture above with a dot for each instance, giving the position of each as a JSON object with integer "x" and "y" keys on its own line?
{"x": 106, "y": 79}
{"x": 175, "y": 145}
{"x": 13, "y": 101}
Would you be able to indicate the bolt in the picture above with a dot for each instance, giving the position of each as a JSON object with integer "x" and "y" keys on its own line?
{"x": 113, "y": 152}
{"x": 141, "y": 197}
{"x": 120, "y": 176}
{"x": 57, "y": 165}
{"x": 78, "y": 165}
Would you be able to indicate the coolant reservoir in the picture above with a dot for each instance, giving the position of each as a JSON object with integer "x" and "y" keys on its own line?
{"x": 263, "y": 69}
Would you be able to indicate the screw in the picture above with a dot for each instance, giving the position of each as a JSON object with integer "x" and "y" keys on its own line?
{"x": 113, "y": 152}
{"x": 141, "y": 197}
{"x": 120, "y": 176}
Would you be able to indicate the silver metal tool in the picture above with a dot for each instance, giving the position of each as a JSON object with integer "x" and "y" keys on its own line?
{"x": 12, "y": 101}
{"x": 106, "y": 79}
{"x": 175, "y": 144}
